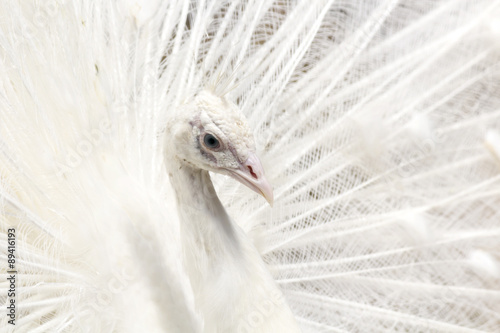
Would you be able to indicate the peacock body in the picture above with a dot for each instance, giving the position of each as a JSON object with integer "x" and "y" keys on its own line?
{"x": 377, "y": 122}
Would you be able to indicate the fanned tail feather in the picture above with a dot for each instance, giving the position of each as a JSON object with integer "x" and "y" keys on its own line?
{"x": 377, "y": 123}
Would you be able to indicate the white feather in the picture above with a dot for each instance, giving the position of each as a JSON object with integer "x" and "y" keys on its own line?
{"x": 376, "y": 122}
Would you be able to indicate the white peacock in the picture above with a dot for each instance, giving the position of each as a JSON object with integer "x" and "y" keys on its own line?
{"x": 377, "y": 123}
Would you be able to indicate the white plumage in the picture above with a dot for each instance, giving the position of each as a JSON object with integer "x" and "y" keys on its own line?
{"x": 377, "y": 123}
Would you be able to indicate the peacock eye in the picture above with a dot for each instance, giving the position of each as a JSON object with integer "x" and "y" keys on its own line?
{"x": 211, "y": 141}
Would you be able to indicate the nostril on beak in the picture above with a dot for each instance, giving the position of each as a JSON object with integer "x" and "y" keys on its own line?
{"x": 251, "y": 172}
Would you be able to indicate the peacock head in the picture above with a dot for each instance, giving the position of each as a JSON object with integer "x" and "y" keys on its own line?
{"x": 212, "y": 134}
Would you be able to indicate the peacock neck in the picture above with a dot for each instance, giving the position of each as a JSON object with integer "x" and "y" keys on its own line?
{"x": 203, "y": 217}
{"x": 228, "y": 276}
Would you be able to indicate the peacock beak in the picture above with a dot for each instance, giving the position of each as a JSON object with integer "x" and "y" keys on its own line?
{"x": 251, "y": 174}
